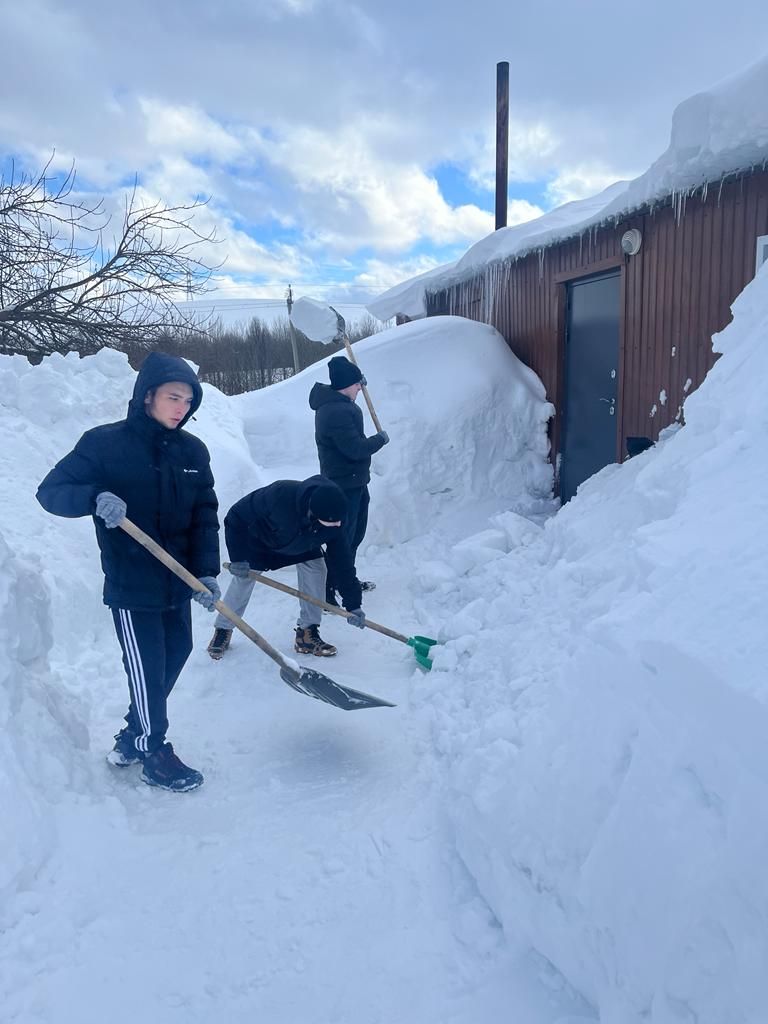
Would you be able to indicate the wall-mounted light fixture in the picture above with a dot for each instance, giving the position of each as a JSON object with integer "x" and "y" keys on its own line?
{"x": 631, "y": 241}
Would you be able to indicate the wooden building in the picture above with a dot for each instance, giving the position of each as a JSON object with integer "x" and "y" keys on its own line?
{"x": 620, "y": 339}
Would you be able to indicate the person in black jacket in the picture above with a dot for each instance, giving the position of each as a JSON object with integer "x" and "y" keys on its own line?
{"x": 283, "y": 524}
{"x": 148, "y": 468}
{"x": 344, "y": 450}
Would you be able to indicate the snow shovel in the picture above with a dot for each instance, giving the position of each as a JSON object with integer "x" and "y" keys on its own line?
{"x": 323, "y": 323}
{"x": 305, "y": 680}
{"x": 420, "y": 644}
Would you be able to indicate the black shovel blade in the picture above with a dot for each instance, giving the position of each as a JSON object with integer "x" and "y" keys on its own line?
{"x": 315, "y": 684}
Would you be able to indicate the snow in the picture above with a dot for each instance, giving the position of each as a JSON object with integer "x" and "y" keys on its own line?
{"x": 315, "y": 319}
{"x": 563, "y": 822}
{"x": 714, "y": 133}
{"x": 407, "y": 298}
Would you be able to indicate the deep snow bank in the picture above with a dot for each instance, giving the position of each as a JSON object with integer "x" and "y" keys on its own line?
{"x": 439, "y": 390}
{"x": 601, "y": 713}
{"x": 467, "y": 422}
{"x": 40, "y": 737}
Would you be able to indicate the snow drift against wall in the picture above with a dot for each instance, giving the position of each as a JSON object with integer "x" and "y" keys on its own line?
{"x": 601, "y": 714}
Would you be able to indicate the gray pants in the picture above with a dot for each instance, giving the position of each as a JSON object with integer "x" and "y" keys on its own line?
{"x": 311, "y": 576}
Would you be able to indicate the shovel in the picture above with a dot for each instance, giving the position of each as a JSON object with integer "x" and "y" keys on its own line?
{"x": 343, "y": 330}
{"x": 420, "y": 644}
{"x": 304, "y": 680}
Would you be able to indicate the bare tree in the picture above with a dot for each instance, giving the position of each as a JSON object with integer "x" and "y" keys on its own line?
{"x": 63, "y": 287}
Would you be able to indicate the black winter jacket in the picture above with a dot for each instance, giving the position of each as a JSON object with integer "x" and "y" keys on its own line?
{"x": 344, "y": 450}
{"x": 272, "y": 527}
{"x": 164, "y": 476}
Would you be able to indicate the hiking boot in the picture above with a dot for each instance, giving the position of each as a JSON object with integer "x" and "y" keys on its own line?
{"x": 219, "y": 643}
{"x": 124, "y": 751}
{"x": 367, "y": 585}
{"x": 309, "y": 641}
{"x": 164, "y": 769}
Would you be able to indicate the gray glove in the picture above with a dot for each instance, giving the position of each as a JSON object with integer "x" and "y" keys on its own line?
{"x": 240, "y": 569}
{"x": 384, "y": 436}
{"x": 206, "y": 600}
{"x": 356, "y": 617}
{"x": 110, "y": 508}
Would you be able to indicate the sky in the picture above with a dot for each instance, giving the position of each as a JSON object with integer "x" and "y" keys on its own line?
{"x": 344, "y": 147}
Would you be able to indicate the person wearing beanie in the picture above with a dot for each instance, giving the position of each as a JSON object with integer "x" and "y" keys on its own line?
{"x": 288, "y": 523}
{"x": 344, "y": 451}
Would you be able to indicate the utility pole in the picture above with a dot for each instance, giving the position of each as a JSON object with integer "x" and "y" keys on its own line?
{"x": 294, "y": 345}
{"x": 502, "y": 142}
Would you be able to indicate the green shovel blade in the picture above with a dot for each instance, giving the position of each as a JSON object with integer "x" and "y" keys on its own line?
{"x": 421, "y": 646}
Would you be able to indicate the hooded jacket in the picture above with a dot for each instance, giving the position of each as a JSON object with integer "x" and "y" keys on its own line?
{"x": 344, "y": 450}
{"x": 164, "y": 477}
{"x": 273, "y": 527}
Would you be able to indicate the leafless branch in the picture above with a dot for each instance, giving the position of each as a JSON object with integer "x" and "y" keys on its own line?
{"x": 63, "y": 288}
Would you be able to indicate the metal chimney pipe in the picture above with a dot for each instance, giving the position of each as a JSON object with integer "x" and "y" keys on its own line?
{"x": 502, "y": 142}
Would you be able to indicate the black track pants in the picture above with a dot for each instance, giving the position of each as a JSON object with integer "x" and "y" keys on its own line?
{"x": 358, "y": 500}
{"x": 155, "y": 647}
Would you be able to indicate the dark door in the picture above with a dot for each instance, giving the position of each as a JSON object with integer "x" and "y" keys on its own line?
{"x": 591, "y": 379}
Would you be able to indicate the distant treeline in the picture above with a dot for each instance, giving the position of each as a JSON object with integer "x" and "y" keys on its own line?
{"x": 234, "y": 359}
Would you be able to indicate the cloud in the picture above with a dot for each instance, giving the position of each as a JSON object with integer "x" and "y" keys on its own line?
{"x": 313, "y": 124}
{"x": 583, "y": 181}
{"x": 356, "y": 198}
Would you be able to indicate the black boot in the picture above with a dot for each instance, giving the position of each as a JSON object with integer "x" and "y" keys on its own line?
{"x": 124, "y": 751}
{"x": 219, "y": 644}
{"x": 164, "y": 769}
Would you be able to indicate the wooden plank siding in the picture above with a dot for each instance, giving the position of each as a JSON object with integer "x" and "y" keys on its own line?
{"x": 676, "y": 293}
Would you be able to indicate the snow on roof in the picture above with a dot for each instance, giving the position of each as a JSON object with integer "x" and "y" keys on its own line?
{"x": 717, "y": 132}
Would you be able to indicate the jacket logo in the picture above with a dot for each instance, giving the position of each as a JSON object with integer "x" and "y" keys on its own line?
{"x": 189, "y": 470}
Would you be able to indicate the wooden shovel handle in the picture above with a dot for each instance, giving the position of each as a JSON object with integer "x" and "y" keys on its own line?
{"x": 192, "y": 581}
{"x": 366, "y": 396}
{"x": 332, "y": 608}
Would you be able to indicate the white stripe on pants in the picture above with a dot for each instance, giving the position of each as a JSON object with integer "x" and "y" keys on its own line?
{"x": 311, "y": 579}
{"x": 136, "y": 680}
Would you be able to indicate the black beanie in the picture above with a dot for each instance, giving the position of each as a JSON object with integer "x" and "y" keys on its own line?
{"x": 327, "y": 502}
{"x": 343, "y": 373}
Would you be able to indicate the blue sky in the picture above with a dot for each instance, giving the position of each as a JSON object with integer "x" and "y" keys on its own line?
{"x": 347, "y": 146}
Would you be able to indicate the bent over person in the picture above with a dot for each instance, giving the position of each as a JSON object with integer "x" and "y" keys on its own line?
{"x": 146, "y": 467}
{"x": 284, "y": 524}
{"x": 344, "y": 451}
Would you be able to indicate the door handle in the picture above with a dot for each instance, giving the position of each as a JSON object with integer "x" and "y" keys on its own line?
{"x": 611, "y": 402}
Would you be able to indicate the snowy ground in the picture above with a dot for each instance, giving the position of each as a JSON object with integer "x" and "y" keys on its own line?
{"x": 314, "y": 877}
{"x": 561, "y": 823}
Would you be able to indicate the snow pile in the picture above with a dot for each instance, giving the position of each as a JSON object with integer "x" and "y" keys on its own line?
{"x": 600, "y": 714}
{"x": 714, "y": 133}
{"x": 348, "y": 830}
{"x": 467, "y": 422}
{"x": 407, "y": 298}
{"x": 596, "y": 720}
{"x": 41, "y": 734}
